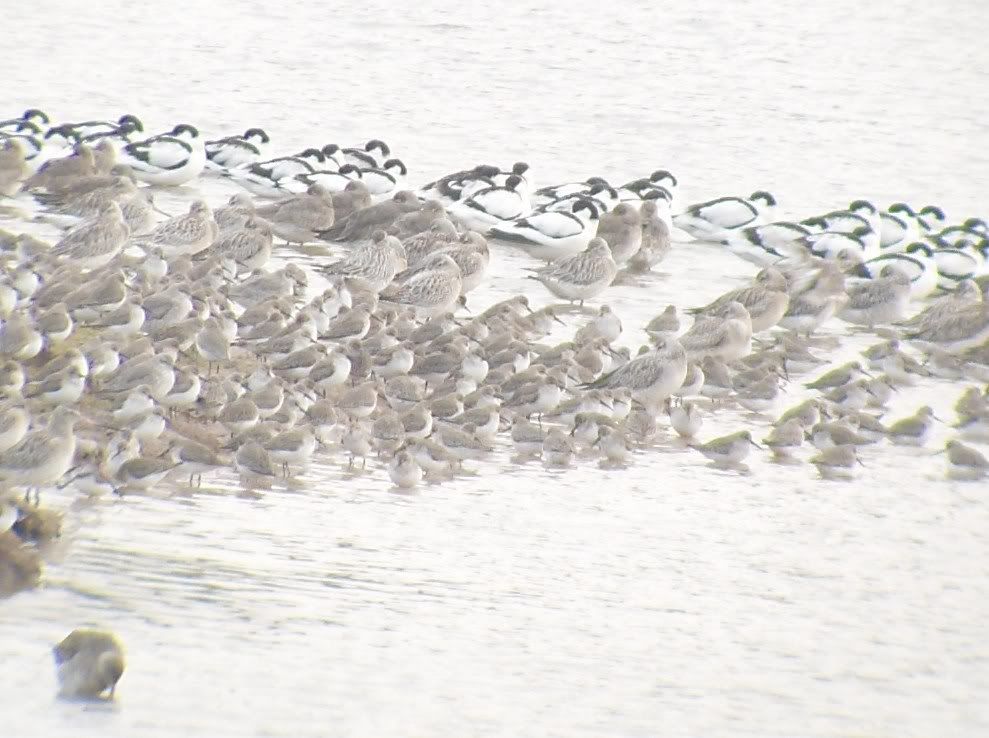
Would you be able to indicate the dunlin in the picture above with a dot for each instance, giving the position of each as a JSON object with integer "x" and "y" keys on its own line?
{"x": 728, "y": 450}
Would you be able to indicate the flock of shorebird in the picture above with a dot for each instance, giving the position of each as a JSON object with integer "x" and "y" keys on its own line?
{"x": 137, "y": 346}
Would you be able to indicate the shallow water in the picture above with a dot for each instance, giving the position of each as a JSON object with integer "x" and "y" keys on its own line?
{"x": 665, "y": 598}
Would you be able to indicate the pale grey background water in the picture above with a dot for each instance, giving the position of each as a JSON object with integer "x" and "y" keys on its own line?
{"x": 662, "y": 599}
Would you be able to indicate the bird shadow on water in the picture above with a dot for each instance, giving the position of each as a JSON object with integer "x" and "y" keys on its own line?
{"x": 98, "y": 705}
{"x": 730, "y": 469}
{"x": 626, "y": 278}
{"x": 572, "y": 308}
{"x": 613, "y": 466}
{"x": 785, "y": 461}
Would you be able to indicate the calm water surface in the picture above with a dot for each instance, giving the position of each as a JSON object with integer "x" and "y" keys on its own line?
{"x": 666, "y": 598}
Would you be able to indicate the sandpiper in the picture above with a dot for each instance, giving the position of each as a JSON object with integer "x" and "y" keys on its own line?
{"x": 542, "y": 396}
{"x": 95, "y": 243}
{"x": 20, "y": 563}
{"x": 213, "y": 345}
{"x": 184, "y": 392}
{"x": 807, "y": 413}
{"x": 189, "y": 233}
{"x": 249, "y": 246}
{"x": 373, "y": 263}
{"x": 903, "y": 369}
{"x": 435, "y": 287}
{"x": 240, "y": 415}
{"x": 19, "y": 340}
{"x": 43, "y": 455}
{"x": 838, "y": 376}
{"x": 606, "y": 324}
{"x": 852, "y": 396}
{"x": 651, "y": 377}
{"x": 356, "y": 440}
{"x": 136, "y": 403}
{"x": 614, "y": 444}
{"x": 463, "y": 442}
{"x": 14, "y": 422}
{"x": 913, "y": 430}
{"x": 586, "y": 427}
{"x": 194, "y": 458}
{"x": 728, "y": 450}
{"x": 89, "y": 663}
{"x": 965, "y": 462}
{"x": 582, "y": 276}
{"x": 291, "y": 448}
{"x": 836, "y": 433}
{"x": 785, "y": 438}
{"x": 685, "y": 419}
{"x": 11, "y": 378}
{"x": 91, "y": 300}
{"x": 253, "y": 462}
{"x": 156, "y": 371}
{"x": 144, "y": 472}
{"x": 727, "y": 336}
{"x": 621, "y": 229}
{"x": 527, "y": 437}
{"x": 836, "y": 462}
{"x": 62, "y": 388}
{"x": 558, "y": 448}
{"x": 359, "y": 402}
{"x": 299, "y": 218}
{"x": 766, "y": 301}
{"x": 404, "y": 470}
{"x": 439, "y": 235}
{"x": 882, "y": 300}
{"x": 960, "y": 330}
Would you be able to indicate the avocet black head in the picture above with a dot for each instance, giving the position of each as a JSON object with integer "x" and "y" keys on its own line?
{"x": 311, "y": 153}
{"x": 32, "y": 113}
{"x": 348, "y": 169}
{"x": 764, "y": 197}
{"x": 596, "y": 181}
{"x": 975, "y": 224}
{"x": 395, "y": 164}
{"x": 377, "y": 145}
{"x": 187, "y": 129}
{"x": 257, "y": 133}
{"x": 588, "y": 205}
{"x": 133, "y": 122}
{"x": 932, "y": 211}
{"x": 658, "y": 193}
{"x": 662, "y": 175}
{"x": 129, "y": 126}
{"x": 330, "y": 149}
{"x": 65, "y": 131}
{"x": 520, "y": 168}
{"x": 858, "y": 205}
{"x": 486, "y": 170}
{"x": 598, "y": 187}
{"x": 513, "y": 181}
{"x": 29, "y": 127}
{"x": 900, "y": 207}
{"x": 918, "y": 247}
